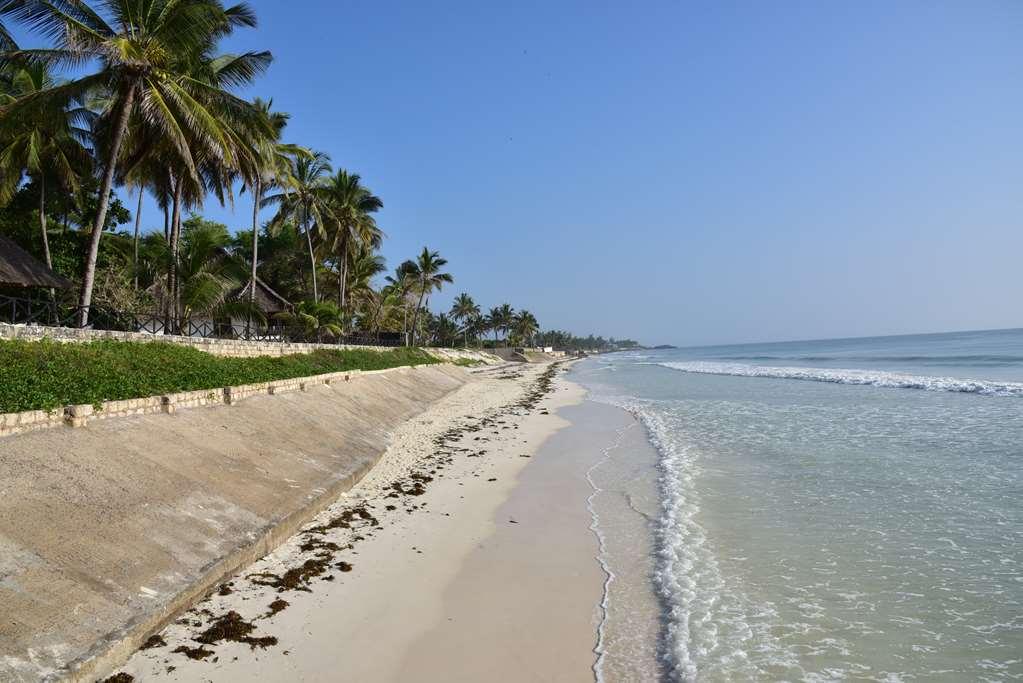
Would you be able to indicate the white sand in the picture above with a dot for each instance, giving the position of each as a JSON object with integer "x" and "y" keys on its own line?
{"x": 415, "y": 575}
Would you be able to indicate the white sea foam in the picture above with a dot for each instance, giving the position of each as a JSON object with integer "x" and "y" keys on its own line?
{"x": 609, "y": 576}
{"x": 709, "y": 626}
{"x": 877, "y": 378}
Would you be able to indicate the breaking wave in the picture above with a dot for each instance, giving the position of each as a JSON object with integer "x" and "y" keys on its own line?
{"x": 876, "y": 378}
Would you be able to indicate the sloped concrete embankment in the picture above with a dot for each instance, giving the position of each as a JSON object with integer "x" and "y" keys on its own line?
{"x": 106, "y": 532}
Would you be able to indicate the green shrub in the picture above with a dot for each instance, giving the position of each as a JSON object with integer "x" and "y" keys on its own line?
{"x": 46, "y": 375}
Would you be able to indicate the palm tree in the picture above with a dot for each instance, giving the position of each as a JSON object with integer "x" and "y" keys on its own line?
{"x": 400, "y": 285}
{"x": 429, "y": 278}
{"x": 46, "y": 145}
{"x": 493, "y": 321}
{"x": 366, "y": 265}
{"x": 351, "y": 223}
{"x": 147, "y": 62}
{"x": 314, "y": 318}
{"x": 442, "y": 329}
{"x": 464, "y": 310}
{"x": 303, "y": 199}
{"x": 505, "y": 318}
{"x": 269, "y": 165}
{"x": 526, "y": 326}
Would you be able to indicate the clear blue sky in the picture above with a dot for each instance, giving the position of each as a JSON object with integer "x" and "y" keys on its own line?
{"x": 679, "y": 172}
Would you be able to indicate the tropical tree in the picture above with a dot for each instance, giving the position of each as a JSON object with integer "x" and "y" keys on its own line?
{"x": 313, "y": 319}
{"x": 303, "y": 199}
{"x": 428, "y": 278}
{"x": 464, "y": 310}
{"x": 267, "y": 166}
{"x": 365, "y": 265}
{"x": 493, "y": 321}
{"x": 398, "y": 290}
{"x": 443, "y": 329}
{"x": 147, "y": 61}
{"x": 525, "y": 326}
{"x": 350, "y": 223}
{"x": 49, "y": 144}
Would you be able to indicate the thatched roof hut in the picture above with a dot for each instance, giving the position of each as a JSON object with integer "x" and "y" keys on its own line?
{"x": 18, "y": 268}
{"x": 267, "y": 300}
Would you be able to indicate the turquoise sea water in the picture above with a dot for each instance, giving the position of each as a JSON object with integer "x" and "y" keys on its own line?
{"x": 834, "y": 510}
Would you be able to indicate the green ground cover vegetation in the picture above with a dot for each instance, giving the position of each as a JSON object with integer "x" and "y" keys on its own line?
{"x": 48, "y": 375}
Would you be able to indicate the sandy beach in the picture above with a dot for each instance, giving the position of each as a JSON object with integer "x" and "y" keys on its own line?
{"x": 464, "y": 554}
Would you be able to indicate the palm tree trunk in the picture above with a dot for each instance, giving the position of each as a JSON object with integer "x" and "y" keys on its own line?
{"x": 404, "y": 318}
{"x": 42, "y": 221}
{"x": 415, "y": 318}
{"x": 42, "y": 227}
{"x": 89, "y": 276}
{"x": 312, "y": 256}
{"x": 256, "y": 194}
{"x": 135, "y": 254}
{"x": 342, "y": 270}
{"x": 172, "y": 271}
{"x": 166, "y": 223}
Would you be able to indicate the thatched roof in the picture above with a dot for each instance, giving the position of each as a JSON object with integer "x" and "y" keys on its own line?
{"x": 267, "y": 300}
{"x": 21, "y": 269}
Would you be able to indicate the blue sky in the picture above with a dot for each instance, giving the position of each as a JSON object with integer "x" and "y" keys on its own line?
{"x": 679, "y": 172}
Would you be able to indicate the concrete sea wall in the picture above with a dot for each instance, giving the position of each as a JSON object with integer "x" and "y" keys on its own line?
{"x": 107, "y": 531}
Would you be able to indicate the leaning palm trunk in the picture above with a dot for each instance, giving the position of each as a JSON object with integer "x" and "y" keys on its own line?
{"x": 42, "y": 227}
{"x": 42, "y": 220}
{"x": 89, "y": 276}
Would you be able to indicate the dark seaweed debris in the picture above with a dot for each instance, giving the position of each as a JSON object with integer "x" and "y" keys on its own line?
{"x": 155, "y": 640}
{"x": 276, "y": 606}
{"x": 198, "y": 653}
{"x": 119, "y": 678}
{"x": 232, "y": 627}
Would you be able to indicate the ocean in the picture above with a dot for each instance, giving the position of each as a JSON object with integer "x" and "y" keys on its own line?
{"x": 831, "y": 510}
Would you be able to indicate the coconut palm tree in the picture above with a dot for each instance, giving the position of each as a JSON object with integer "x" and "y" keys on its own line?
{"x": 267, "y": 166}
{"x": 365, "y": 265}
{"x": 526, "y": 326}
{"x": 429, "y": 278}
{"x": 493, "y": 321}
{"x": 47, "y": 145}
{"x": 314, "y": 319}
{"x": 350, "y": 223}
{"x": 505, "y": 318}
{"x": 304, "y": 200}
{"x": 464, "y": 310}
{"x": 147, "y": 61}
{"x": 400, "y": 286}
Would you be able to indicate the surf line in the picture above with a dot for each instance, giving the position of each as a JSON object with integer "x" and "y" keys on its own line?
{"x": 609, "y": 575}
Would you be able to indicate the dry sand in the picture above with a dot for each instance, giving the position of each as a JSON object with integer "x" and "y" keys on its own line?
{"x": 436, "y": 567}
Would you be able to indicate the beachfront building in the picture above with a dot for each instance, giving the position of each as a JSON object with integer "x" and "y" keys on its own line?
{"x": 19, "y": 269}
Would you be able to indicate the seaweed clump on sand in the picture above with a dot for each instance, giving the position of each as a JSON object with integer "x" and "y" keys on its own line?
{"x": 155, "y": 640}
{"x": 276, "y": 606}
{"x": 199, "y": 653}
{"x": 232, "y": 627}
{"x": 119, "y": 678}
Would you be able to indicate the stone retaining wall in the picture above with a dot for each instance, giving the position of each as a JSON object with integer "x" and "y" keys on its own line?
{"x": 218, "y": 347}
{"x": 80, "y": 415}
